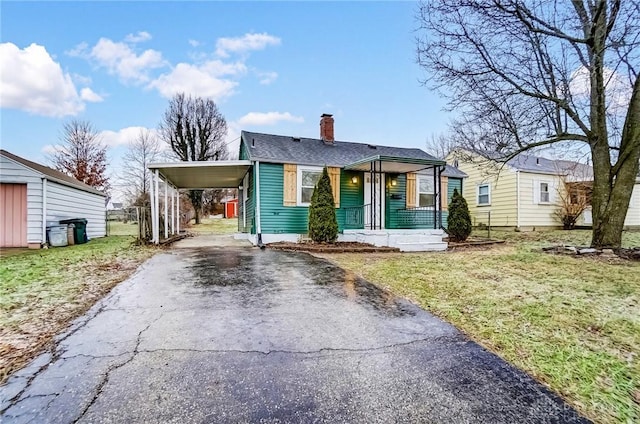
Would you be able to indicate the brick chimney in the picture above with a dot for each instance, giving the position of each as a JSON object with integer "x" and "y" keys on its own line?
{"x": 326, "y": 128}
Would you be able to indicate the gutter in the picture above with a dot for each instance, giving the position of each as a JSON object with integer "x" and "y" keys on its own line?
{"x": 518, "y": 198}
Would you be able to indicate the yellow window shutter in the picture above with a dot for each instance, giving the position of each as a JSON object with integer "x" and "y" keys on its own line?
{"x": 411, "y": 190}
{"x": 290, "y": 182}
{"x": 444, "y": 184}
{"x": 334, "y": 176}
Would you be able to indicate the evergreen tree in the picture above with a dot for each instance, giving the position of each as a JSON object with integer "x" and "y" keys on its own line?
{"x": 459, "y": 222}
{"x": 323, "y": 225}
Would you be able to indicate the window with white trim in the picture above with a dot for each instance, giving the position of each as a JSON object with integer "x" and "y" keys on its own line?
{"x": 308, "y": 177}
{"x": 544, "y": 193}
{"x": 484, "y": 194}
{"x": 426, "y": 192}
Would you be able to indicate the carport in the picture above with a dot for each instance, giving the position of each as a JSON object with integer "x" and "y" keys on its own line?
{"x": 178, "y": 176}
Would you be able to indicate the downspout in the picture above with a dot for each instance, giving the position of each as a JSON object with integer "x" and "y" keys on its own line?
{"x": 258, "y": 223}
{"x": 44, "y": 211}
{"x": 518, "y": 199}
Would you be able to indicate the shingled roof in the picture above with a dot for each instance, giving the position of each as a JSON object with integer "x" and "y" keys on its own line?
{"x": 312, "y": 151}
{"x": 540, "y": 165}
{"x": 51, "y": 173}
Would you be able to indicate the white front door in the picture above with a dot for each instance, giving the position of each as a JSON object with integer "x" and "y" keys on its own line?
{"x": 376, "y": 208}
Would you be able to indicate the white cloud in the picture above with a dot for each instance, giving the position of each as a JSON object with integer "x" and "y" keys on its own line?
{"x": 121, "y": 60}
{"x": 268, "y": 118}
{"x": 31, "y": 80}
{"x": 618, "y": 90}
{"x": 267, "y": 78}
{"x": 138, "y": 38}
{"x": 89, "y": 95}
{"x": 247, "y": 42}
{"x": 78, "y": 51}
{"x": 123, "y": 136}
{"x": 194, "y": 43}
{"x": 201, "y": 80}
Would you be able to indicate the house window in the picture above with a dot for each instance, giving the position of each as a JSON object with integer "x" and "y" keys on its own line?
{"x": 484, "y": 194}
{"x": 544, "y": 192}
{"x": 307, "y": 180}
{"x": 426, "y": 192}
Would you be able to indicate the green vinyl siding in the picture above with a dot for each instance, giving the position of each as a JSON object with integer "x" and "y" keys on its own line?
{"x": 243, "y": 152}
{"x": 395, "y": 199}
{"x": 251, "y": 220}
{"x": 350, "y": 195}
{"x": 453, "y": 183}
{"x": 276, "y": 218}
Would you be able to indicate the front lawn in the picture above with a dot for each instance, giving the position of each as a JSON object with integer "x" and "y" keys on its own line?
{"x": 214, "y": 226}
{"x": 571, "y": 322}
{"x": 42, "y": 290}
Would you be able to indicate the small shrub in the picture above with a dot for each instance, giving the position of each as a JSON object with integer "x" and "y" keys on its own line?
{"x": 323, "y": 225}
{"x": 459, "y": 222}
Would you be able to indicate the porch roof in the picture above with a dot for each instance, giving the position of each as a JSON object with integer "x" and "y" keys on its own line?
{"x": 203, "y": 174}
{"x": 394, "y": 164}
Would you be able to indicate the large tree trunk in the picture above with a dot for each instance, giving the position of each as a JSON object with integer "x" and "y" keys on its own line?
{"x": 613, "y": 185}
{"x": 196, "y": 201}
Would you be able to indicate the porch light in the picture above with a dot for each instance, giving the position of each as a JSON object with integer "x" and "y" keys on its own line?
{"x": 354, "y": 179}
{"x": 394, "y": 182}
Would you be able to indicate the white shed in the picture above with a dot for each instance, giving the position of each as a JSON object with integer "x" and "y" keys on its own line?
{"x": 32, "y": 194}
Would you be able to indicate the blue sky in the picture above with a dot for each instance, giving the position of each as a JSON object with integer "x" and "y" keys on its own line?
{"x": 270, "y": 66}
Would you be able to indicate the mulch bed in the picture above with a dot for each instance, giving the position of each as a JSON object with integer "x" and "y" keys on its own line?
{"x": 339, "y": 247}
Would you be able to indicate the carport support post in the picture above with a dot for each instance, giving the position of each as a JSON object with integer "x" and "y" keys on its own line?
{"x": 178, "y": 210}
{"x": 173, "y": 211}
{"x": 151, "y": 204}
{"x": 258, "y": 223}
{"x": 166, "y": 209}
{"x": 156, "y": 212}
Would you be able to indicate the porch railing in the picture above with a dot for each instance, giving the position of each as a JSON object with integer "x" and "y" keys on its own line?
{"x": 354, "y": 216}
{"x": 418, "y": 218}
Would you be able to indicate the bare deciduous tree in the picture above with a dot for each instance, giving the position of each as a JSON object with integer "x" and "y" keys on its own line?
{"x": 195, "y": 129}
{"x": 82, "y": 155}
{"x": 526, "y": 74}
{"x": 136, "y": 177}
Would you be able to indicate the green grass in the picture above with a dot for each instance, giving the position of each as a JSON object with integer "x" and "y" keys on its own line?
{"x": 215, "y": 226}
{"x": 544, "y": 238}
{"x": 571, "y": 322}
{"x": 118, "y": 228}
{"x": 42, "y": 290}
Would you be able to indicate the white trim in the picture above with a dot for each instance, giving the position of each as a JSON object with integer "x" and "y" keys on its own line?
{"x": 428, "y": 178}
{"x": 488, "y": 185}
{"x": 300, "y": 170}
{"x": 166, "y": 209}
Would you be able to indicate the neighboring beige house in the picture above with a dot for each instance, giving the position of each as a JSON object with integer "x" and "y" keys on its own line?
{"x": 525, "y": 192}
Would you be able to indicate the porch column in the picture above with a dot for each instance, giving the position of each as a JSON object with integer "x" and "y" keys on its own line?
{"x": 440, "y": 197}
{"x": 178, "y": 210}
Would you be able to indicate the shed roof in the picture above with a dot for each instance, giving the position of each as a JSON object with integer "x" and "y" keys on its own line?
{"x": 52, "y": 174}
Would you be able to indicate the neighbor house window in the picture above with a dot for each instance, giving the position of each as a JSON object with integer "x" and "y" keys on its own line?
{"x": 426, "y": 192}
{"x": 544, "y": 192}
{"x": 484, "y": 194}
{"x": 307, "y": 180}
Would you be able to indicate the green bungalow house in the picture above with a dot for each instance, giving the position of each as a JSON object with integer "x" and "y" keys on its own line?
{"x": 386, "y": 196}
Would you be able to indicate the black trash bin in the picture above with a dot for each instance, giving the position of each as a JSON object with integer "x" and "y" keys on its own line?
{"x": 80, "y": 229}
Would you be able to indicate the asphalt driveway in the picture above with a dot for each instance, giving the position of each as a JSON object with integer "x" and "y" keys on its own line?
{"x": 232, "y": 334}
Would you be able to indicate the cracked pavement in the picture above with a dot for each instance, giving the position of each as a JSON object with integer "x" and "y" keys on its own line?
{"x": 232, "y": 334}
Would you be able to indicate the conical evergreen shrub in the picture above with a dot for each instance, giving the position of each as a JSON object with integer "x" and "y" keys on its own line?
{"x": 459, "y": 221}
{"x": 323, "y": 225}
